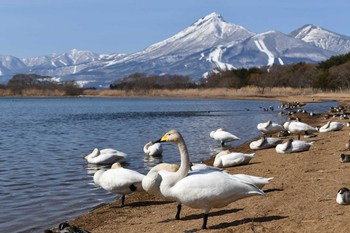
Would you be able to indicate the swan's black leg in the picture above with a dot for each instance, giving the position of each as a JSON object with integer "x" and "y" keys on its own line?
{"x": 205, "y": 219}
{"x": 122, "y": 201}
{"x": 177, "y": 216}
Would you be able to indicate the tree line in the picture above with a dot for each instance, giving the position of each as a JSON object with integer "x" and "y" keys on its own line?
{"x": 37, "y": 85}
{"x": 332, "y": 74}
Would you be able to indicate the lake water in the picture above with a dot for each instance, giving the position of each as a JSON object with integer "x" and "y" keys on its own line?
{"x": 44, "y": 179}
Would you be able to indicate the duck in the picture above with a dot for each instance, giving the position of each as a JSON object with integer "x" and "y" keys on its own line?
{"x": 293, "y": 146}
{"x": 230, "y": 159}
{"x": 105, "y": 156}
{"x": 331, "y": 126}
{"x": 343, "y": 196}
{"x": 223, "y": 136}
{"x": 67, "y": 228}
{"x": 269, "y": 127}
{"x": 264, "y": 143}
{"x": 344, "y": 158}
{"x": 203, "y": 189}
{"x": 298, "y": 127}
{"x": 153, "y": 151}
{"x": 119, "y": 180}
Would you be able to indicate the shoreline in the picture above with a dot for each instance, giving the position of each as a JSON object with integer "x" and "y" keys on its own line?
{"x": 145, "y": 213}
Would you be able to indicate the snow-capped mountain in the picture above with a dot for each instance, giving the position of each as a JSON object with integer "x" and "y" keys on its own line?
{"x": 207, "y": 44}
{"x": 323, "y": 38}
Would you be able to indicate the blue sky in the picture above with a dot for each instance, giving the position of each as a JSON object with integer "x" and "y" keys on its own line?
{"x": 41, "y": 27}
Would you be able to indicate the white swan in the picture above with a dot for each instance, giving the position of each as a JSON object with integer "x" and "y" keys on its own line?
{"x": 204, "y": 189}
{"x": 331, "y": 126}
{"x": 230, "y": 159}
{"x": 269, "y": 128}
{"x": 152, "y": 151}
{"x": 223, "y": 136}
{"x": 119, "y": 180}
{"x": 264, "y": 143}
{"x": 105, "y": 156}
{"x": 292, "y": 146}
{"x": 297, "y": 127}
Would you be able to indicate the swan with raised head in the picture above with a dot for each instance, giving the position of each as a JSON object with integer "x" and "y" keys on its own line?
{"x": 230, "y": 159}
{"x": 223, "y": 136}
{"x": 293, "y": 146}
{"x": 105, "y": 157}
{"x": 269, "y": 127}
{"x": 204, "y": 189}
{"x": 119, "y": 180}
{"x": 331, "y": 126}
{"x": 153, "y": 151}
{"x": 297, "y": 127}
{"x": 264, "y": 143}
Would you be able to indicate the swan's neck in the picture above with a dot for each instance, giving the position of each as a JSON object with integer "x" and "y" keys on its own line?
{"x": 185, "y": 160}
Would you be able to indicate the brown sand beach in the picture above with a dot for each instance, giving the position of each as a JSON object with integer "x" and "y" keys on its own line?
{"x": 300, "y": 198}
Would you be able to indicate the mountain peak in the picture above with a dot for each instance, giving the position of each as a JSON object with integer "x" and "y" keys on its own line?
{"x": 212, "y": 16}
{"x": 322, "y": 38}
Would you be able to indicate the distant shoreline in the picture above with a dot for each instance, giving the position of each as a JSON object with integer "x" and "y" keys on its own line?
{"x": 247, "y": 93}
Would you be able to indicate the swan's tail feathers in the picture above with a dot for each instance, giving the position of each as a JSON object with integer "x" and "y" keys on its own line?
{"x": 270, "y": 178}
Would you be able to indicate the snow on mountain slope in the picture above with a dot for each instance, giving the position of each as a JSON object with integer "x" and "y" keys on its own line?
{"x": 266, "y": 49}
{"x": 323, "y": 38}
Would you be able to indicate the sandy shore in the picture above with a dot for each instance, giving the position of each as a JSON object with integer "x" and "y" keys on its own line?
{"x": 300, "y": 198}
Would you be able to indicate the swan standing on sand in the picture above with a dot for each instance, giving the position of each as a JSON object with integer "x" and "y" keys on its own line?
{"x": 152, "y": 151}
{"x": 331, "y": 126}
{"x": 264, "y": 143}
{"x": 297, "y": 127}
{"x": 269, "y": 128}
{"x": 223, "y": 136}
{"x": 230, "y": 159}
{"x": 204, "y": 189}
{"x": 292, "y": 146}
{"x": 119, "y": 180}
{"x": 105, "y": 156}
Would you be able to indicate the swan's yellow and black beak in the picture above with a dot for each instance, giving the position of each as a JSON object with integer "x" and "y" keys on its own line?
{"x": 163, "y": 139}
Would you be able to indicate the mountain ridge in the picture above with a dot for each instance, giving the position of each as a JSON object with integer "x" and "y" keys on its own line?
{"x": 207, "y": 44}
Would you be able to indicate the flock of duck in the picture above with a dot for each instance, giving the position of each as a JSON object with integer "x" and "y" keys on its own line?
{"x": 201, "y": 186}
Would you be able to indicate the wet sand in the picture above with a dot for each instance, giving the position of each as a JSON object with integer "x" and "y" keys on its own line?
{"x": 300, "y": 198}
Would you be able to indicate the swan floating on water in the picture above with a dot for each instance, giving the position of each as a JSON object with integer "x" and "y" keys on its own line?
{"x": 264, "y": 143}
{"x": 203, "y": 189}
{"x": 229, "y": 159}
{"x": 105, "y": 157}
{"x": 293, "y": 146}
{"x": 119, "y": 180}
{"x": 269, "y": 128}
{"x": 331, "y": 126}
{"x": 153, "y": 151}
{"x": 223, "y": 136}
{"x": 297, "y": 127}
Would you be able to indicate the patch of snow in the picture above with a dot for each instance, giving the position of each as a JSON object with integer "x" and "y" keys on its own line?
{"x": 262, "y": 47}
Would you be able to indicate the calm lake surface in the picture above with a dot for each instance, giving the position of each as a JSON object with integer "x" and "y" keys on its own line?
{"x": 44, "y": 179}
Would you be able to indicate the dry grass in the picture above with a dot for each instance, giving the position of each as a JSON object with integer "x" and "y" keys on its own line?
{"x": 226, "y": 93}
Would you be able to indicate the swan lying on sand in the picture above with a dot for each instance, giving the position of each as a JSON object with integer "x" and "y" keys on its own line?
{"x": 105, "y": 156}
{"x": 204, "y": 189}
{"x": 292, "y": 146}
{"x": 331, "y": 126}
{"x": 119, "y": 180}
{"x": 264, "y": 143}
{"x": 230, "y": 159}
